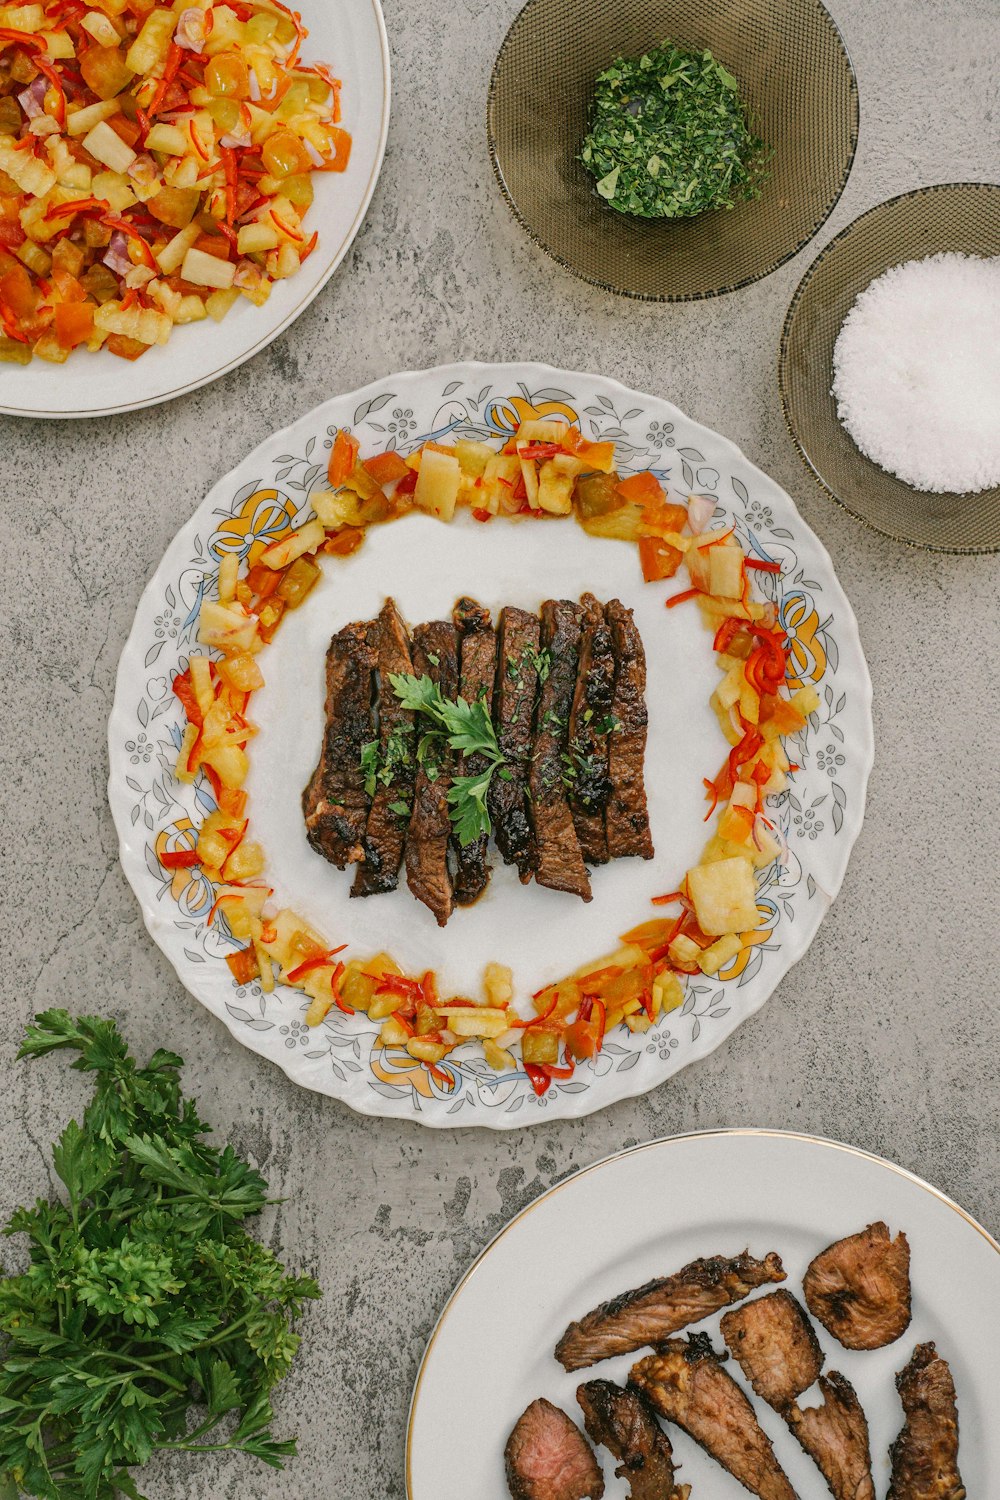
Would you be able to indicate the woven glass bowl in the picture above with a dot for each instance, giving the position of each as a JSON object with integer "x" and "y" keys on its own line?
{"x": 795, "y": 75}
{"x": 961, "y": 216}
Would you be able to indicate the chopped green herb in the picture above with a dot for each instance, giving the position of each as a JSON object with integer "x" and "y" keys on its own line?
{"x": 148, "y": 1319}
{"x": 433, "y": 658}
{"x": 369, "y": 765}
{"x": 670, "y": 136}
{"x": 401, "y": 809}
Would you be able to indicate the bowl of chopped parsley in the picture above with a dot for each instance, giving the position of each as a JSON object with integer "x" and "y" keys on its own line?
{"x": 672, "y": 149}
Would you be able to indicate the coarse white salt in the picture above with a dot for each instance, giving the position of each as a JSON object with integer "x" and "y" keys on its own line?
{"x": 916, "y": 372}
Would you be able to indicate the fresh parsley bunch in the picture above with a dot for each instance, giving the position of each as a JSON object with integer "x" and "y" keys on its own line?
{"x": 148, "y": 1318}
{"x": 468, "y": 729}
{"x": 670, "y": 136}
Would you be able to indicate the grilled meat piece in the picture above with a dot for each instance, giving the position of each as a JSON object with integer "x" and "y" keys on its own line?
{"x": 653, "y": 1312}
{"x": 835, "y": 1435}
{"x": 626, "y": 818}
{"x": 559, "y": 863}
{"x": 435, "y": 655}
{"x": 385, "y": 834}
{"x": 547, "y": 1457}
{"x": 859, "y": 1288}
{"x": 478, "y": 659}
{"x": 774, "y": 1344}
{"x": 685, "y": 1383}
{"x": 335, "y": 804}
{"x": 513, "y": 715}
{"x": 622, "y": 1421}
{"x": 589, "y": 723}
{"x": 925, "y": 1455}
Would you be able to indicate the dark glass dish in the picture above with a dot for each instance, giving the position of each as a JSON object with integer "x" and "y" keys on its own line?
{"x": 794, "y": 74}
{"x": 960, "y": 216}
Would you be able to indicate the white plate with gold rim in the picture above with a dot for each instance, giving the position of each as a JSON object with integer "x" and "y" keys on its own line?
{"x": 646, "y": 1213}
{"x": 350, "y": 37}
{"x": 425, "y": 565}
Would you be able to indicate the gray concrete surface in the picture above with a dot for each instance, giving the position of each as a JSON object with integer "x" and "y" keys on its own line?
{"x": 886, "y": 1034}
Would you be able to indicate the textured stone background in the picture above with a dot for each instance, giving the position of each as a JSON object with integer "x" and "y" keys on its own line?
{"x": 885, "y": 1035}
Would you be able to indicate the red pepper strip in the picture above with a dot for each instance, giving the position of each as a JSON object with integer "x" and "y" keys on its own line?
{"x": 539, "y": 451}
{"x": 229, "y": 166}
{"x": 520, "y": 1025}
{"x": 174, "y": 59}
{"x": 230, "y": 237}
{"x": 646, "y": 999}
{"x": 50, "y": 73}
{"x": 761, "y": 774}
{"x": 680, "y": 598}
{"x": 335, "y": 978}
{"x": 77, "y": 206}
{"x": 440, "y": 1076}
{"x": 143, "y": 121}
{"x": 668, "y": 899}
{"x": 112, "y": 221}
{"x": 20, "y": 39}
{"x": 713, "y": 792}
{"x": 398, "y": 984}
{"x": 310, "y": 247}
{"x": 184, "y": 691}
{"x": 228, "y": 896}
{"x": 408, "y": 484}
{"x": 566, "y": 1071}
{"x": 318, "y": 961}
{"x": 7, "y": 318}
{"x": 538, "y": 1077}
{"x": 724, "y": 635}
{"x": 760, "y": 566}
{"x": 428, "y": 988}
{"x": 793, "y": 767}
{"x": 179, "y": 859}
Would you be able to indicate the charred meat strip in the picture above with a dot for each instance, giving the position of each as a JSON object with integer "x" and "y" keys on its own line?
{"x": 435, "y": 655}
{"x": 590, "y": 721}
{"x": 622, "y": 1421}
{"x": 478, "y": 658}
{"x": 626, "y": 818}
{"x": 686, "y": 1384}
{"x": 558, "y": 863}
{"x": 859, "y": 1288}
{"x": 774, "y": 1344}
{"x": 641, "y": 1318}
{"x": 547, "y": 1457}
{"x": 335, "y": 803}
{"x": 925, "y": 1455}
{"x": 835, "y": 1436}
{"x": 513, "y": 715}
{"x": 389, "y": 814}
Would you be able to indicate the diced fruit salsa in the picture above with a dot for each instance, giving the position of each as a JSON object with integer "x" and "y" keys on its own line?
{"x": 156, "y": 165}
{"x": 546, "y": 470}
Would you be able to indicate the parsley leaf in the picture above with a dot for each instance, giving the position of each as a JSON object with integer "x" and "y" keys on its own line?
{"x": 468, "y": 729}
{"x": 147, "y": 1314}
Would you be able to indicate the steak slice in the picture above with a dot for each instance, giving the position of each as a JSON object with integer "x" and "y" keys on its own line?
{"x": 435, "y": 655}
{"x": 626, "y": 818}
{"x": 774, "y": 1344}
{"x": 835, "y": 1436}
{"x": 685, "y": 1383}
{"x": 589, "y": 724}
{"x": 925, "y": 1454}
{"x": 559, "y": 863}
{"x": 335, "y": 803}
{"x": 385, "y": 834}
{"x": 859, "y": 1288}
{"x": 654, "y": 1311}
{"x": 547, "y": 1457}
{"x": 622, "y": 1421}
{"x": 478, "y": 661}
{"x": 513, "y": 715}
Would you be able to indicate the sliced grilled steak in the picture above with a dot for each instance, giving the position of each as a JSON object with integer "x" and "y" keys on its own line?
{"x": 435, "y": 655}
{"x": 335, "y": 804}
{"x": 641, "y": 1318}
{"x": 385, "y": 834}
{"x": 589, "y": 724}
{"x": 925, "y": 1455}
{"x": 559, "y": 863}
{"x": 685, "y": 1383}
{"x": 835, "y": 1435}
{"x": 513, "y": 715}
{"x": 623, "y": 1422}
{"x": 774, "y": 1344}
{"x": 626, "y": 818}
{"x": 547, "y": 1457}
{"x": 478, "y": 660}
{"x": 859, "y": 1288}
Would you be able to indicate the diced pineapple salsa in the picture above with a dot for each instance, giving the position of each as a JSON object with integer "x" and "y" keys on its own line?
{"x": 156, "y": 166}
{"x": 546, "y": 470}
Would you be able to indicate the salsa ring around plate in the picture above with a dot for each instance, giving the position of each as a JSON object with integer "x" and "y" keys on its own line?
{"x": 819, "y": 816}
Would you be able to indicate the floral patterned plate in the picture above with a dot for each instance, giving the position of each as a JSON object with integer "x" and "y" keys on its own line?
{"x": 425, "y": 565}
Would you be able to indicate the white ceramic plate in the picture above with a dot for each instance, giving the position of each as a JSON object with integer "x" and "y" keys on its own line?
{"x": 426, "y": 566}
{"x": 646, "y": 1213}
{"x": 350, "y": 37}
